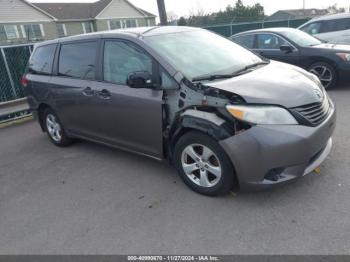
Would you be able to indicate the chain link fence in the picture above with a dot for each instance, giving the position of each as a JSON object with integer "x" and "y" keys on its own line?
{"x": 13, "y": 61}
{"x": 235, "y": 28}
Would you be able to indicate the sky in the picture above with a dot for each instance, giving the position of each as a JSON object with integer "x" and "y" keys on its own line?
{"x": 186, "y": 7}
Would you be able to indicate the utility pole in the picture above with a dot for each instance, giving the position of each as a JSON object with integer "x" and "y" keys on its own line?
{"x": 162, "y": 12}
{"x": 304, "y": 4}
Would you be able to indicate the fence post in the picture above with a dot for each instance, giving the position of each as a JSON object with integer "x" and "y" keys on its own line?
{"x": 9, "y": 73}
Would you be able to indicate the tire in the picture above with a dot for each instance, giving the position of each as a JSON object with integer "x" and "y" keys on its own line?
{"x": 326, "y": 73}
{"x": 212, "y": 184}
{"x": 54, "y": 129}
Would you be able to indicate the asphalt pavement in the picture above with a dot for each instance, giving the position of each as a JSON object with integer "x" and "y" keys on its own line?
{"x": 91, "y": 199}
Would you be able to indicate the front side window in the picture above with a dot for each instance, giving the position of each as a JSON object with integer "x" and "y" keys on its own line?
{"x": 11, "y": 31}
{"x": 77, "y": 60}
{"x": 245, "y": 40}
{"x": 42, "y": 60}
{"x": 123, "y": 58}
{"x": 200, "y": 52}
{"x": 335, "y": 25}
{"x": 270, "y": 41}
{"x": 313, "y": 28}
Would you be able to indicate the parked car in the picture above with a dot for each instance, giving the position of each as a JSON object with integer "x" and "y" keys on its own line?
{"x": 330, "y": 62}
{"x": 331, "y": 28}
{"x": 221, "y": 114}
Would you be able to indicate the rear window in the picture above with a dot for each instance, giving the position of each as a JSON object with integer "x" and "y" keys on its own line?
{"x": 77, "y": 60}
{"x": 245, "y": 40}
{"x": 42, "y": 60}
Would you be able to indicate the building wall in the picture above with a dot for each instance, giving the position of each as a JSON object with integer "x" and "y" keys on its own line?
{"x": 120, "y": 9}
{"x": 48, "y": 29}
{"x": 18, "y": 11}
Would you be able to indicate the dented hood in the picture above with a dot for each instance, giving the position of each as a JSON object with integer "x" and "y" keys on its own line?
{"x": 276, "y": 83}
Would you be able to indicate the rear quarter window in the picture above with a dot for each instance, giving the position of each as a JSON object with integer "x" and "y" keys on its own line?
{"x": 77, "y": 60}
{"x": 42, "y": 60}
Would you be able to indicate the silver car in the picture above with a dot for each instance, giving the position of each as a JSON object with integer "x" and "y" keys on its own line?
{"x": 223, "y": 116}
{"x": 330, "y": 28}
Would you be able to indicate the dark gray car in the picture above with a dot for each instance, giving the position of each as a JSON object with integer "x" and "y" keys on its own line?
{"x": 222, "y": 115}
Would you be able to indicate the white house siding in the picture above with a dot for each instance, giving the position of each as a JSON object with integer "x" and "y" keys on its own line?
{"x": 14, "y": 11}
{"x": 119, "y": 9}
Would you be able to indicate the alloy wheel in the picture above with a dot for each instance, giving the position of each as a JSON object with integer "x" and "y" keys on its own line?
{"x": 323, "y": 73}
{"x": 53, "y": 127}
{"x": 201, "y": 165}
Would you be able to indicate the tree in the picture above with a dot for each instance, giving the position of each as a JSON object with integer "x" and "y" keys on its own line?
{"x": 334, "y": 9}
{"x": 182, "y": 21}
{"x": 236, "y": 13}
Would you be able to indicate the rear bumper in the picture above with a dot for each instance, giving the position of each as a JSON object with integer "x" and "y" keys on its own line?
{"x": 282, "y": 152}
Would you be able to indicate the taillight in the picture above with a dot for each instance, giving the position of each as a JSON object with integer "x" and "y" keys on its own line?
{"x": 24, "y": 81}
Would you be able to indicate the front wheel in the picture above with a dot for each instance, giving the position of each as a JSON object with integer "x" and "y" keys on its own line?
{"x": 325, "y": 73}
{"x": 203, "y": 164}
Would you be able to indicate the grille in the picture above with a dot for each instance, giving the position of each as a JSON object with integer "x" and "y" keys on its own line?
{"x": 314, "y": 113}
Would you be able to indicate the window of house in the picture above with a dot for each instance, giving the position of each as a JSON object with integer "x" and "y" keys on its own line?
{"x": 33, "y": 31}
{"x": 11, "y": 31}
{"x": 123, "y": 58}
{"x": 61, "y": 30}
{"x": 245, "y": 40}
{"x": 269, "y": 41}
{"x": 114, "y": 25}
{"x": 74, "y": 61}
{"x": 129, "y": 23}
{"x": 87, "y": 27}
{"x": 42, "y": 60}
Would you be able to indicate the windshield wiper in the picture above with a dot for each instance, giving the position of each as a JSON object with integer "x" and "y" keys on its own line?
{"x": 223, "y": 76}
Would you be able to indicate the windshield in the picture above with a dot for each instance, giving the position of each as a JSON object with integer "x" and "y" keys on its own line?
{"x": 301, "y": 38}
{"x": 199, "y": 53}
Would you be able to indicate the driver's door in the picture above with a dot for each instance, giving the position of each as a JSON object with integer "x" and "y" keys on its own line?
{"x": 268, "y": 45}
{"x": 125, "y": 116}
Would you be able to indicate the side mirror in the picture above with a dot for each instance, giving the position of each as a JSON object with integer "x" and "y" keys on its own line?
{"x": 140, "y": 79}
{"x": 286, "y": 48}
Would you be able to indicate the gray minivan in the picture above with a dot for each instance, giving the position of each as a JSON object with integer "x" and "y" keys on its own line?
{"x": 333, "y": 28}
{"x": 225, "y": 117}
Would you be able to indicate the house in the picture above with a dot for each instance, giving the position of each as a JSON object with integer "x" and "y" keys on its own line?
{"x": 297, "y": 14}
{"x": 22, "y": 21}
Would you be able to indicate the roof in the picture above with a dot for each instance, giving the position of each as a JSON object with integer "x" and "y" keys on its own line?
{"x": 78, "y": 10}
{"x": 134, "y": 32}
{"x": 333, "y": 16}
{"x": 268, "y": 30}
{"x": 301, "y": 13}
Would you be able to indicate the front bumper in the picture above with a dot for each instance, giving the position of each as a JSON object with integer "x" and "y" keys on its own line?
{"x": 289, "y": 151}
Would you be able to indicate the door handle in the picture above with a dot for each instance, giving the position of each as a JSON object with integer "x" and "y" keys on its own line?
{"x": 88, "y": 91}
{"x": 104, "y": 94}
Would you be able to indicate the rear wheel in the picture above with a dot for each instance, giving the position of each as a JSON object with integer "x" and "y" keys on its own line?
{"x": 54, "y": 129}
{"x": 203, "y": 164}
{"x": 325, "y": 73}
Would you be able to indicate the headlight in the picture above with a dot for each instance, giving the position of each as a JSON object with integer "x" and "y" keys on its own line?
{"x": 264, "y": 115}
{"x": 344, "y": 56}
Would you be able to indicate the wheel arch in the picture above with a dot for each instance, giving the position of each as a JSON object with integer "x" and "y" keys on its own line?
{"x": 208, "y": 123}
{"x": 41, "y": 109}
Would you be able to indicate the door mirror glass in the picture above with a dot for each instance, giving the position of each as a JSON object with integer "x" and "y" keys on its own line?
{"x": 140, "y": 79}
{"x": 286, "y": 48}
